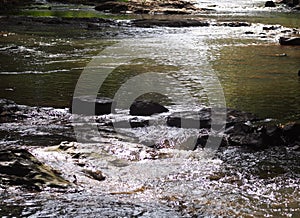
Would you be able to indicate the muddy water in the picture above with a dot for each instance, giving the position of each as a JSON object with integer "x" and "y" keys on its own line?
{"x": 40, "y": 66}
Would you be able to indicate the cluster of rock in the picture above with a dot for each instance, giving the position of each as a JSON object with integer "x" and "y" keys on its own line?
{"x": 19, "y": 167}
{"x": 149, "y": 7}
{"x": 290, "y": 3}
{"x": 240, "y": 128}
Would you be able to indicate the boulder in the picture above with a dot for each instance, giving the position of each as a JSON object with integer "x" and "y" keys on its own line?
{"x": 19, "y": 167}
{"x": 270, "y": 4}
{"x": 87, "y": 105}
{"x": 289, "y": 41}
{"x": 245, "y": 136}
{"x": 291, "y": 132}
{"x": 146, "y": 108}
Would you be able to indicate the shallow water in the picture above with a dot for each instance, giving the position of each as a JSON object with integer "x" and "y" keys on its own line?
{"x": 40, "y": 66}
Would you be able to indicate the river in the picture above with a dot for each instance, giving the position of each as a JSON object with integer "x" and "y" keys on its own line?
{"x": 238, "y": 67}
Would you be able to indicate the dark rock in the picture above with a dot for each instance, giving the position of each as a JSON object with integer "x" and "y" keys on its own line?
{"x": 249, "y": 32}
{"x": 141, "y": 10}
{"x": 146, "y": 108}
{"x": 297, "y": 8}
{"x": 113, "y": 7}
{"x": 88, "y": 105}
{"x": 233, "y": 24}
{"x": 10, "y": 111}
{"x": 270, "y": 4}
{"x": 273, "y": 136}
{"x": 286, "y": 31}
{"x": 19, "y": 167}
{"x": 190, "y": 120}
{"x": 170, "y": 11}
{"x": 202, "y": 139}
{"x": 97, "y": 175}
{"x": 291, "y": 132}
{"x": 202, "y": 118}
{"x": 245, "y": 136}
{"x": 236, "y": 116}
{"x": 291, "y": 3}
{"x": 271, "y": 28}
{"x": 299, "y": 73}
{"x": 147, "y": 23}
{"x": 256, "y": 138}
{"x": 289, "y": 41}
{"x": 160, "y": 145}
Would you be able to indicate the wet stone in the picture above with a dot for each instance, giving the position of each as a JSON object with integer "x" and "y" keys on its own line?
{"x": 97, "y": 175}
{"x": 203, "y": 118}
{"x": 291, "y": 132}
{"x": 255, "y": 137}
{"x": 146, "y": 108}
{"x": 19, "y": 167}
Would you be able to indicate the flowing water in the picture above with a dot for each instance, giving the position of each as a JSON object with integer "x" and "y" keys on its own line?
{"x": 41, "y": 66}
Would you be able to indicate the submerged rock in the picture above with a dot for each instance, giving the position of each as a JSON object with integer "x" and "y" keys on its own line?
{"x": 19, "y": 167}
{"x": 146, "y": 108}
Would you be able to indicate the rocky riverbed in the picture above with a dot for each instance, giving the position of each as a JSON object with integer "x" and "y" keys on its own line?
{"x": 19, "y": 167}
{"x": 113, "y": 168}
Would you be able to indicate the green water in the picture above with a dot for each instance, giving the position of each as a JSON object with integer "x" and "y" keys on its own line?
{"x": 40, "y": 66}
